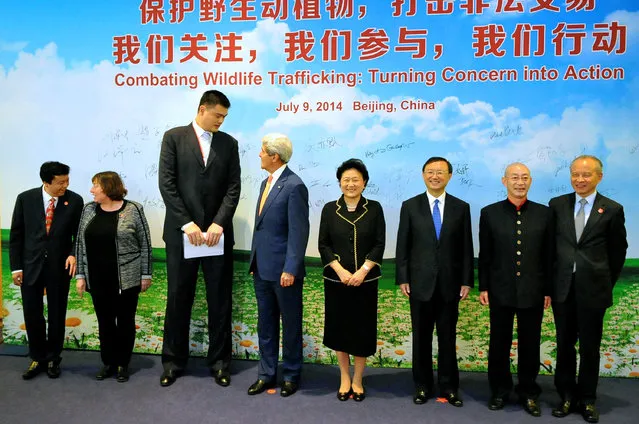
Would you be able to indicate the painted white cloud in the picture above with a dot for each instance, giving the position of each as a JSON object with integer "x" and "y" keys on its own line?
{"x": 12, "y": 46}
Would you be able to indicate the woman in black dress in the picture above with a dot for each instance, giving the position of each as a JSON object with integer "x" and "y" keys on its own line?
{"x": 113, "y": 254}
{"x": 352, "y": 236}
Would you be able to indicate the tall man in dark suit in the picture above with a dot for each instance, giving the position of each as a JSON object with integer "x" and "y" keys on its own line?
{"x": 280, "y": 236}
{"x": 516, "y": 240}
{"x": 590, "y": 252}
{"x": 435, "y": 270}
{"x": 199, "y": 177}
{"x": 41, "y": 249}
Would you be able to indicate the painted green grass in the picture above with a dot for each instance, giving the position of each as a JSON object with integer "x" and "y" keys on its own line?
{"x": 619, "y": 345}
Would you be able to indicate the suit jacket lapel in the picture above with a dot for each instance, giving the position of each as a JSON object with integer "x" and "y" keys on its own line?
{"x": 276, "y": 188}
{"x": 194, "y": 145}
{"x": 38, "y": 204}
{"x": 60, "y": 211}
{"x": 595, "y": 215}
{"x": 212, "y": 152}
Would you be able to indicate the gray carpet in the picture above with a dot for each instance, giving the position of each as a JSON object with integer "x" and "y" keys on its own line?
{"x": 195, "y": 398}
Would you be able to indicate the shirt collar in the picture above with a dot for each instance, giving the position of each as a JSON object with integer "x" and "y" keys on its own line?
{"x": 431, "y": 198}
{"x": 276, "y": 175}
{"x": 199, "y": 131}
{"x": 590, "y": 199}
{"x": 46, "y": 196}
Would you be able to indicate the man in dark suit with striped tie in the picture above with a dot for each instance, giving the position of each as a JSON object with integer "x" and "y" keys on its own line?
{"x": 435, "y": 270}
{"x": 591, "y": 245}
{"x": 41, "y": 250}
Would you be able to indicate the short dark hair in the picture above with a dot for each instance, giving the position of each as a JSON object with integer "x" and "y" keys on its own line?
{"x": 438, "y": 159}
{"x": 355, "y": 164}
{"x": 111, "y": 184}
{"x": 49, "y": 170}
{"x": 214, "y": 97}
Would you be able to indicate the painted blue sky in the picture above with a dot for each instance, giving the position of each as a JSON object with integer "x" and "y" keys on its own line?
{"x": 56, "y": 76}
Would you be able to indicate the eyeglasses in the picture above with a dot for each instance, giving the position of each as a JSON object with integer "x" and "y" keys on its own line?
{"x": 432, "y": 173}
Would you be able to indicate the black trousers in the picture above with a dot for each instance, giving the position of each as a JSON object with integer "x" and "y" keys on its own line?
{"x": 182, "y": 278}
{"x": 575, "y": 322}
{"x": 45, "y": 344}
{"x": 528, "y": 341}
{"x": 116, "y": 324}
{"x": 424, "y": 317}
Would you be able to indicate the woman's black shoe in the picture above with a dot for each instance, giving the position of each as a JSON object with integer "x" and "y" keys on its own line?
{"x": 343, "y": 396}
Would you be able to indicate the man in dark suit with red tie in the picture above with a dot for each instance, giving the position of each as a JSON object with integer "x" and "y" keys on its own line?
{"x": 590, "y": 252}
{"x": 434, "y": 261}
{"x": 41, "y": 250}
{"x": 199, "y": 179}
{"x": 280, "y": 236}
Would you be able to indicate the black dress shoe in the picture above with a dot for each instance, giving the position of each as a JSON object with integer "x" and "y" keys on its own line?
{"x": 222, "y": 377}
{"x": 454, "y": 399}
{"x": 168, "y": 377}
{"x": 563, "y": 409}
{"x": 589, "y": 413}
{"x": 343, "y": 396}
{"x": 259, "y": 386}
{"x": 105, "y": 372}
{"x": 122, "y": 375}
{"x": 496, "y": 403}
{"x": 532, "y": 407}
{"x": 53, "y": 368}
{"x": 289, "y": 388}
{"x": 420, "y": 397}
{"x": 358, "y": 397}
{"x": 34, "y": 369}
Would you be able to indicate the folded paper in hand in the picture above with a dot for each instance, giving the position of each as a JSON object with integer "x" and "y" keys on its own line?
{"x": 193, "y": 251}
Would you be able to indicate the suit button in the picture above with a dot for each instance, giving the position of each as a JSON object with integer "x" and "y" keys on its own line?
{"x": 518, "y": 253}
{"x": 518, "y": 231}
{"x": 518, "y": 222}
{"x": 518, "y": 263}
{"x": 518, "y": 273}
{"x": 518, "y": 241}
{"x": 518, "y": 212}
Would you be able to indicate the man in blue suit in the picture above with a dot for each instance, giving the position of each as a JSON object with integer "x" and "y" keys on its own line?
{"x": 279, "y": 243}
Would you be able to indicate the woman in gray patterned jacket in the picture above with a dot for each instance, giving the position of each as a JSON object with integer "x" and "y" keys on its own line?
{"x": 113, "y": 253}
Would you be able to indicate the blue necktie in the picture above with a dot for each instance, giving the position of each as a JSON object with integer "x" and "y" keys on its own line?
{"x": 437, "y": 218}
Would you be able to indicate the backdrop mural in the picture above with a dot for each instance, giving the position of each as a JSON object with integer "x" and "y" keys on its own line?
{"x": 393, "y": 82}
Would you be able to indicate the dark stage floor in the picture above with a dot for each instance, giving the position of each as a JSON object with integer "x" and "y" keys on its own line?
{"x": 195, "y": 398}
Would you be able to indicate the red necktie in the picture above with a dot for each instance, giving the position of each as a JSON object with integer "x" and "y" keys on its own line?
{"x": 265, "y": 193}
{"x": 48, "y": 219}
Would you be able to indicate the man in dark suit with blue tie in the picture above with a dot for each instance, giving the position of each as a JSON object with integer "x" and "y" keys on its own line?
{"x": 199, "y": 179}
{"x": 434, "y": 261}
{"x": 280, "y": 236}
{"x": 41, "y": 250}
{"x": 590, "y": 236}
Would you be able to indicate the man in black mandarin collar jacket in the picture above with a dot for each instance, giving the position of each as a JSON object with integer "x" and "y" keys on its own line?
{"x": 515, "y": 265}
